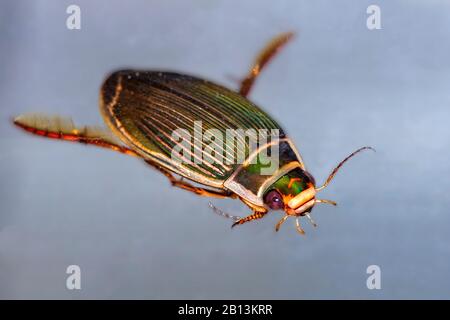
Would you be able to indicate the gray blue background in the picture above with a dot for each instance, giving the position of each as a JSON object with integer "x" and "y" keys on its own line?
{"x": 337, "y": 87}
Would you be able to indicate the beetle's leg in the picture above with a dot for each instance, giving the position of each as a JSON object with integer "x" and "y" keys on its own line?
{"x": 279, "y": 223}
{"x": 237, "y": 219}
{"x": 222, "y": 213}
{"x": 255, "y": 215}
{"x": 258, "y": 212}
{"x": 326, "y": 201}
{"x": 189, "y": 187}
{"x": 298, "y": 227}
{"x": 60, "y": 128}
{"x": 198, "y": 190}
{"x": 269, "y": 51}
{"x": 311, "y": 220}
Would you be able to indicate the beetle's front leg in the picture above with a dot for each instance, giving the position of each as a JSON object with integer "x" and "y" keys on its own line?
{"x": 258, "y": 213}
{"x": 254, "y": 216}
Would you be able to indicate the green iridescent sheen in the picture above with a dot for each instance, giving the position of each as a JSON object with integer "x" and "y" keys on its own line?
{"x": 297, "y": 186}
{"x": 262, "y": 161}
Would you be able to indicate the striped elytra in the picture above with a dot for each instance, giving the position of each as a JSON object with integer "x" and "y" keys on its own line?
{"x": 144, "y": 109}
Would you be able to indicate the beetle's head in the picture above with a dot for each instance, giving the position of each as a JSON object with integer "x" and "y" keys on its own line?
{"x": 295, "y": 193}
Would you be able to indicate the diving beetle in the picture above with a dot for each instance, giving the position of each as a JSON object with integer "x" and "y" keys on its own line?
{"x": 143, "y": 108}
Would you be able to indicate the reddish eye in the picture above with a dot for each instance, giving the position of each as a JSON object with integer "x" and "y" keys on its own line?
{"x": 274, "y": 200}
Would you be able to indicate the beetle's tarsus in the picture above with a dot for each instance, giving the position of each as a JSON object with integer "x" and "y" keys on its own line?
{"x": 254, "y": 216}
{"x": 298, "y": 227}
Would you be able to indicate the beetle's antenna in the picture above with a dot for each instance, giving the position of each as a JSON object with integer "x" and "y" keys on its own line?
{"x": 222, "y": 213}
{"x": 335, "y": 170}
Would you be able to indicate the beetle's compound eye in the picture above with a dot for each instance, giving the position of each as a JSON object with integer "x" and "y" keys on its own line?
{"x": 274, "y": 200}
